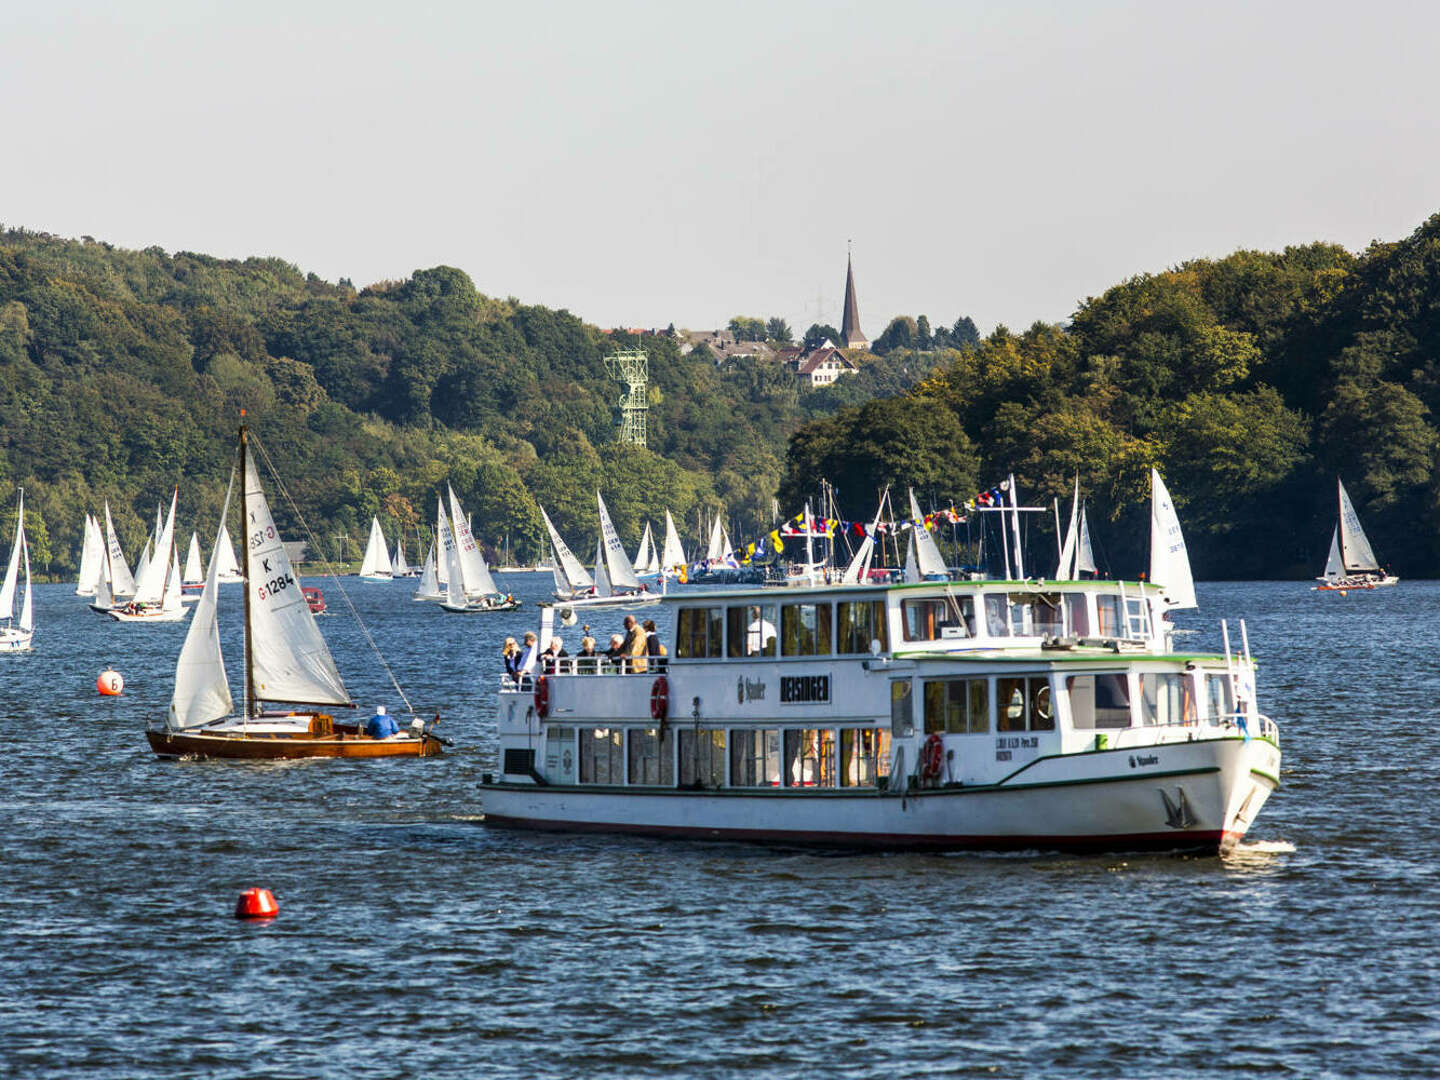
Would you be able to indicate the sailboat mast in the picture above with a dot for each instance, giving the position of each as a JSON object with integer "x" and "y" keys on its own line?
{"x": 245, "y": 569}
{"x": 1340, "y": 517}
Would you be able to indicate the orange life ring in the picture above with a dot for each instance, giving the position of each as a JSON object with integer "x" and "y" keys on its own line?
{"x": 659, "y": 698}
{"x": 542, "y": 697}
{"x": 931, "y": 756}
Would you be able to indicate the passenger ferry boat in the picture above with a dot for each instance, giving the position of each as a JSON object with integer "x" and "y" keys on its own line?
{"x": 938, "y": 715}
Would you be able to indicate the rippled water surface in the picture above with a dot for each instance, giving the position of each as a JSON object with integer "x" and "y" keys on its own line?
{"x": 413, "y": 942}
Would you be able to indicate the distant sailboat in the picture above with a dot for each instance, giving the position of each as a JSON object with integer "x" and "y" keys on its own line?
{"x": 672, "y": 557}
{"x": 227, "y": 567}
{"x": 1351, "y": 563}
{"x": 571, "y": 578}
{"x": 398, "y": 566}
{"x": 615, "y": 582}
{"x": 17, "y": 635}
{"x": 470, "y": 589}
{"x": 92, "y": 558}
{"x": 157, "y": 590}
{"x": 929, "y": 563}
{"x": 1169, "y": 559}
{"x": 429, "y": 586}
{"x": 376, "y": 564}
{"x": 117, "y": 571}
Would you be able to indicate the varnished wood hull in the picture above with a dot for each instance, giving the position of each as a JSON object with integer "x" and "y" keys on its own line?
{"x": 284, "y": 747}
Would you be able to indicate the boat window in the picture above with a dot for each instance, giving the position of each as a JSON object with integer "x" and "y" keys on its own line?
{"x": 1219, "y": 703}
{"x": 859, "y": 622}
{"x": 1036, "y": 614}
{"x": 1077, "y": 614}
{"x": 902, "y": 712}
{"x": 702, "y": 758}
{"x": 1099, "y": 701}
{"x": 805, "y": 629}
{"x": 560, "y": 754}
{"x": 1110, "y": 613}
{"x": 809, "y": 757}
{"x": 1165, "y": 698}
{"x": 750, "y": 630}
{"x": 601, "y": 756}
{"x": 650, "y": 758}
{"x": 957, "y": 706}
{"x": 997, "y": 622}
{"x": 755, "y": 757}
{"x": 697, "y": 631}
{"x": 1024, "y": 704}
{"x": 933, "y": 620}
{"x": 864, "y": 756}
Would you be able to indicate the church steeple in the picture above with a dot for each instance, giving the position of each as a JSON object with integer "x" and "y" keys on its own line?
{"x": 850, "y": 333}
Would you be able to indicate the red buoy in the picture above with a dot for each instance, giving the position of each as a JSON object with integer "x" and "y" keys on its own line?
{"x": 256, "y": 904}
{"x": 110, "y": 683}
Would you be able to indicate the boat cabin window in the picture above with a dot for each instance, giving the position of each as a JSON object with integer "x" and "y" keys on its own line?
{"x": 1024, "y": 704}
{"x": 864, "y": 756}
{"x": 1099, "y": 701}
{"x": 560, "y": 754}
{"x": 1166, "y": 698}
{"x": 810, "y": 757}
{"x": 997, "y": 616}
{"x": 755, "y": 757}
{"x": 902, "y": 709}
{"x": 1036, "y": 614}
{"x": 1078, "y": 614}
{"x": 957, "y": 706}
{"x": 750, "y": 630}
{"x": 1219, "y": 703}
{"x": 702, "y": 758}
{"x": 698, "y": 630}
{"x": 1110, "y": 617}
{"x": 859, "y": 622}
{"x": 805, "y": 629}
{"x": 602, "y": 758}
{"x": 650, "y": 759}
{"x": 934, "y": 620}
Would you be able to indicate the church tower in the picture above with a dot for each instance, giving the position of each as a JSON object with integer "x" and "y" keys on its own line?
{"x": 850, "y": 333}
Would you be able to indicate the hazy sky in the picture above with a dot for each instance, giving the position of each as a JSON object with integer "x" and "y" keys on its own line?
{"x": 643, "y": 163}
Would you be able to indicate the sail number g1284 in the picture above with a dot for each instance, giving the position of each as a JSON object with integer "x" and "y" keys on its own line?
{"x": 275, "y": 585}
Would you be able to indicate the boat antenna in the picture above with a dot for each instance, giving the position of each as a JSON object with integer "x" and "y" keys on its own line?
{"x": 365, "y": 630}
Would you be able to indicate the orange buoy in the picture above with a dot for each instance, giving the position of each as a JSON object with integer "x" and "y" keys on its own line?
{"x": 110, "y": 683}
{"x": 256, "y": 904}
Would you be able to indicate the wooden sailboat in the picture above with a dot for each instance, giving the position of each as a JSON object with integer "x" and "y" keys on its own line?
{"x": 1351, "y": 563}
{"x": 17, "y": 635}
{"x": 286, "y": 660}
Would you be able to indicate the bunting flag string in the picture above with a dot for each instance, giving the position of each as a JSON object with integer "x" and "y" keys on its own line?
{"x": 771, "y": 546}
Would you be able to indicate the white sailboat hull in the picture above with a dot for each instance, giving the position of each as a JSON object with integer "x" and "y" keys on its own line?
{"x": 149, "y": 615}
{"x": 1090, "y": 801}
{"x": 626, "y": 600}
{"x": 13, "y": 639}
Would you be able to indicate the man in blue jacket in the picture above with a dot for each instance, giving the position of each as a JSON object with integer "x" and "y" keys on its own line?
{"x": 382, "y": 725}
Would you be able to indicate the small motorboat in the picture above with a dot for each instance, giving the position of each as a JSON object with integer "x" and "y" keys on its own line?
{"x": 314, "y": 598}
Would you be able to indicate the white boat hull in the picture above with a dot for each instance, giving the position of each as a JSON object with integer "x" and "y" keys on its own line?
{"x": 157, "y": 615}
{"x": 1185, "y": 796}
{"x": 16, "y": 640}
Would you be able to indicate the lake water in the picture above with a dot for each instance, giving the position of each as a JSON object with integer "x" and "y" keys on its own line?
{"x": 413, "y": 942}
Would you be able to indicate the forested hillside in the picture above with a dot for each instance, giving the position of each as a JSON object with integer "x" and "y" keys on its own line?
{"x": 122, "y": 374}
{"x": 1251, "y": 382}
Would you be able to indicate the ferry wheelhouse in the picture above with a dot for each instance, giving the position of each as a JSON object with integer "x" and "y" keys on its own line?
{"x": 945, "y": 715}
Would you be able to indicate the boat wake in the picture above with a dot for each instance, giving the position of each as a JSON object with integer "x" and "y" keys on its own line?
{"x": 1259, "y": 848}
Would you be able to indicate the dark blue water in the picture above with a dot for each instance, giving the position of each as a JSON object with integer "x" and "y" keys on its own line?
{"x": 413, "y": 942}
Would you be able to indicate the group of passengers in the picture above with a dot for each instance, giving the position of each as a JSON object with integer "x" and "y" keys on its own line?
{"x": 638, "y": 649}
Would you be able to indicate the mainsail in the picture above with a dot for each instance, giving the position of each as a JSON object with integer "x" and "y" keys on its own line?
{"x": 194, "y": 568}
{"x": 476, "y": 574}
{"x": 673, "y": 557}
{"x": 576, "y": 576}
{"x": 289, "y": 660}
{"x": 1065, "y": 571}
{"x": 646, "y": 552}
{"x": 229, "y": 568}
{"x": 92, "y": 558}
{"x": 202, "y": 692}
{"x": 122, "y": 583}
{"x": 1084, "y": 553}
{"x": 429, "y": 586}
{"x": 617, "y": 563}
{"x": 929, "y": 561}
{"x": 1354, "y": 546}
{"x": 1169, "y": 561}
{"x": 602, "y": 577}
{"x": 12, "y": 568}
{"x": 398, "y": 565}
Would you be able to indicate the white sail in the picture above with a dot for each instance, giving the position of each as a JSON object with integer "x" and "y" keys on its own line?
{"x": 455, "y": 586}
{"x": 159, "y": 524}
{"x": 617, "y": 563}
{"x": 602, "y": 576}
{"x": 229, "y": 566}
{"x": 122, "y": 583}
{"x": 715, "y": 552}
{"x": 442, "y": 551}
{"x": 1334, "y": 565}
{"x": 92, "y": 558}
{"x": 673, "y": 556}
{"x": 150, "y": 583}
{"x": 143, "y": 565}
{"x": 202, "y": 692}
{"x": 646, "y": 552}
{"x": 1065, "y": 571}
{"x": 478, "y": 581}
{"x": 194, "y": 568}
{"x": 104, "y": 598}
{"x": 1084, "y": 553}
{"x": 398, "y": 566}
{"x": 929, "y": 561}
{"x": 912, "y": 561}
{"x": 859, "y": 568}
{"x": 429, "y": 586}
{"x": 289, "y": 660}
{"x": 576, "y": 577}
{"x": 27, "y": 605}
{"x": 173, "y": 586}
{"x": 12, "y": 568}
{"x": 1169, "y": 561}
{"x": 1354, "y": 546}
{"x": 376, "y": 564}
